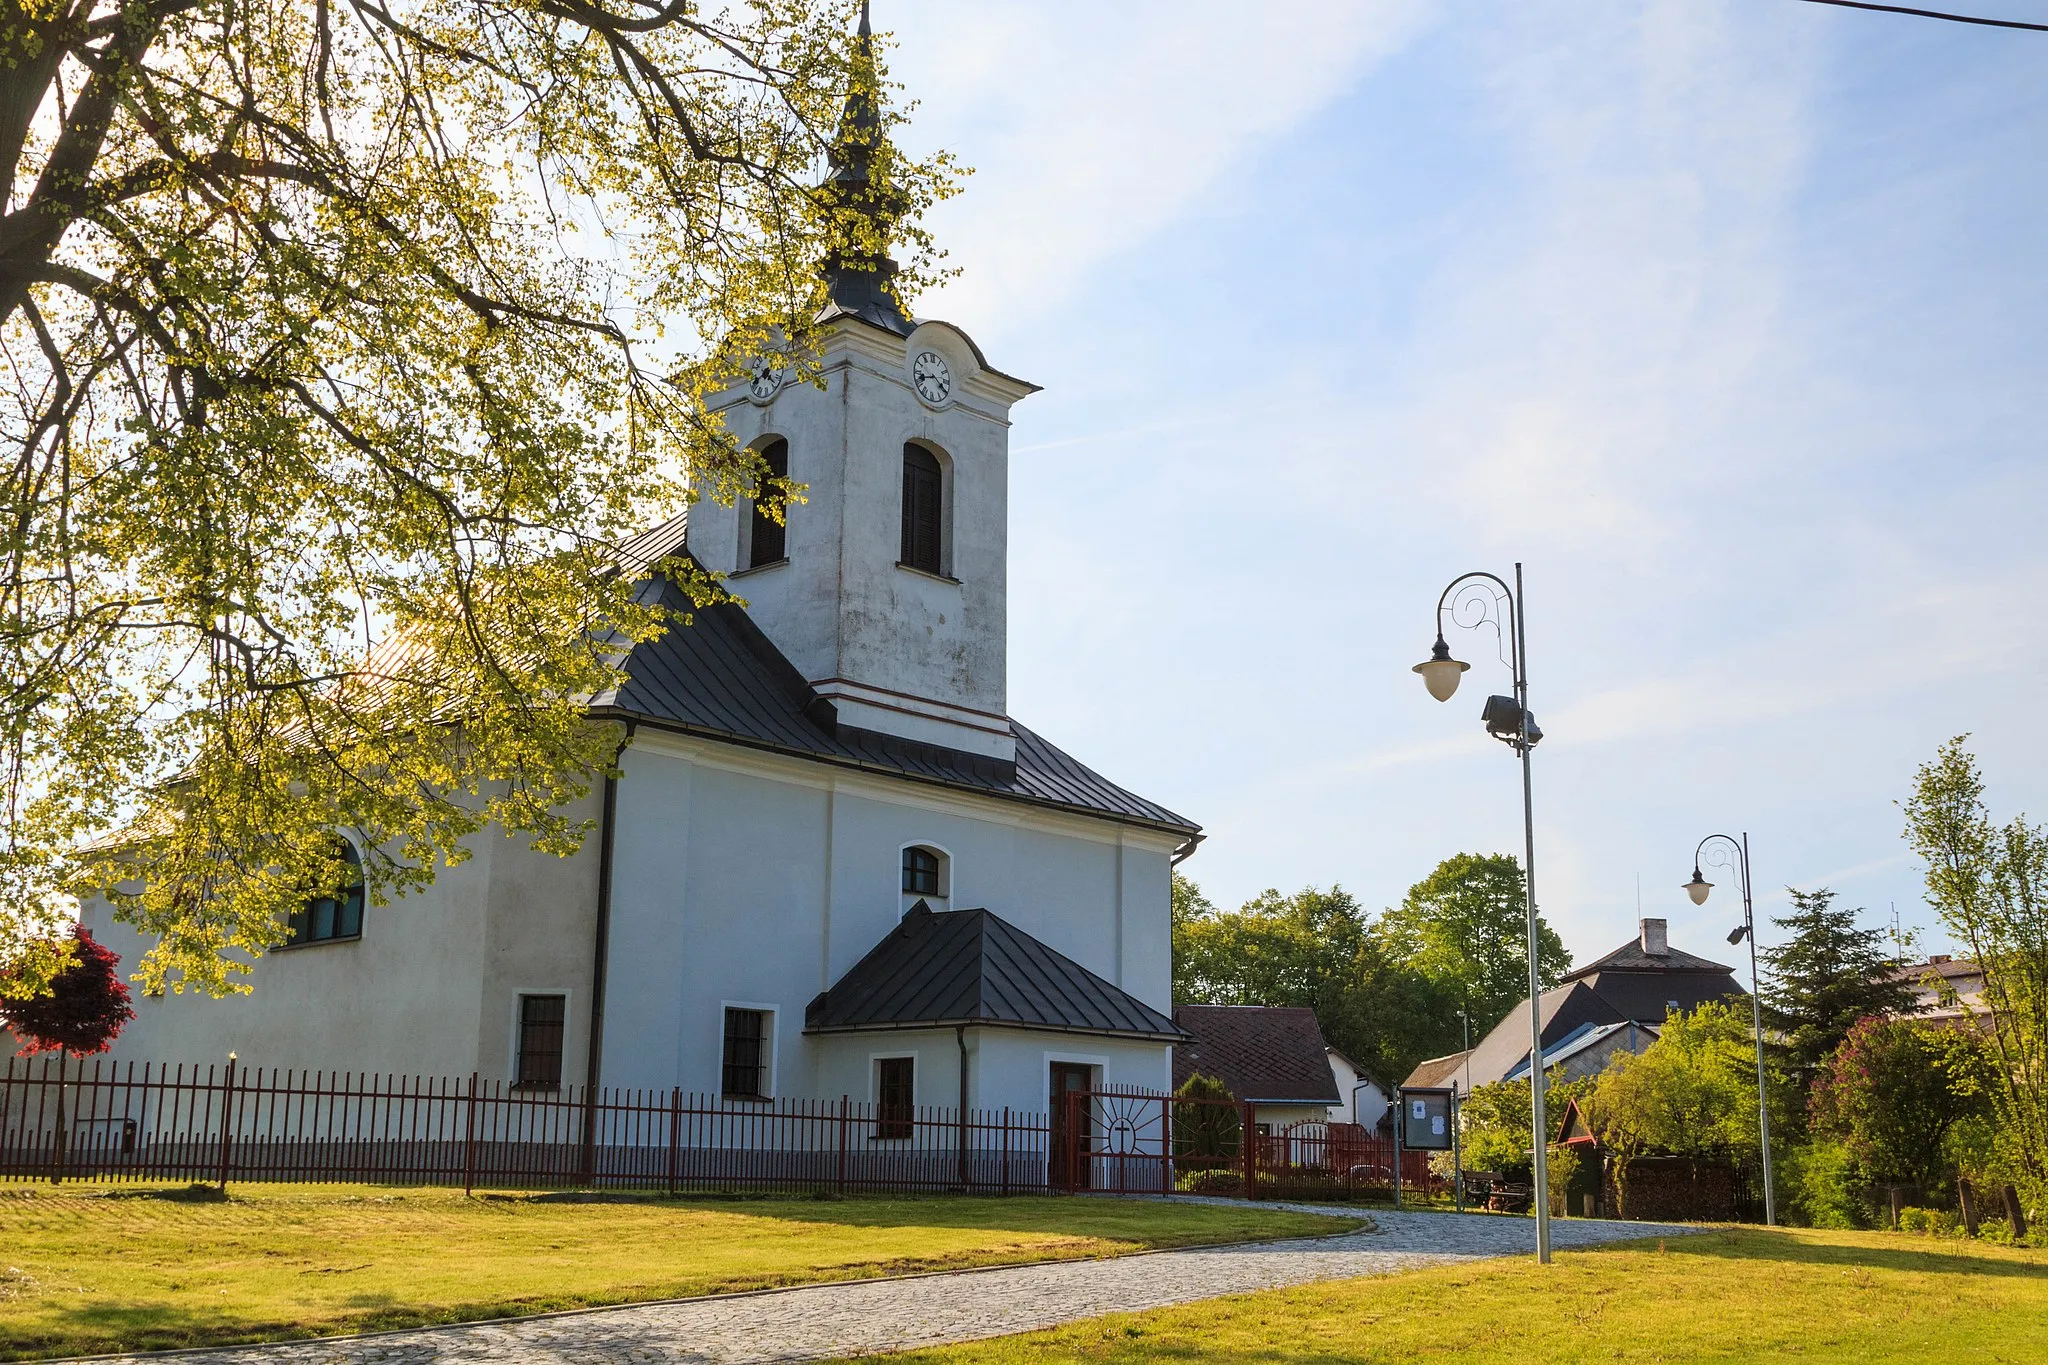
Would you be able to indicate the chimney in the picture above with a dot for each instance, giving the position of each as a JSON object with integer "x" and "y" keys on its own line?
{"x": 1656, "y": 941}
{"x": 1938, "y": 959}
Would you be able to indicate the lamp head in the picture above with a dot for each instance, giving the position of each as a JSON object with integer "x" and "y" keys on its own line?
{"x": 1738, "y": 933}
{"x": 1440, "y": 672}
{"x": 1698, "y": 888}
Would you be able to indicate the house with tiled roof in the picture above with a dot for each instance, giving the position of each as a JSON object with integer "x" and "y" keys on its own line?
{"x": 1271, "y": 1055}
{"x": 1590, "y": 1010}
{"x": 832, "y": 862}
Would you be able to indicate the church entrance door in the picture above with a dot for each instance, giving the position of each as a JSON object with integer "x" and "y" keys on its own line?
{"x": 1072, "y": 1124}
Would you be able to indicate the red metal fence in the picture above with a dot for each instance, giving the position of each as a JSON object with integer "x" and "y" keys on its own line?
{"x": 123, "y": 1121}
{"x": 1139, "y": 1142}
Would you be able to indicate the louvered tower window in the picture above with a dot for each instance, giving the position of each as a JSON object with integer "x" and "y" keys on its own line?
{"x": 768, "y": 542}
{"x": 923, "y": 510}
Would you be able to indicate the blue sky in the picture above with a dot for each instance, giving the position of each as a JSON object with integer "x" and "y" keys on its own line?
{"x": 1726, "y": 317}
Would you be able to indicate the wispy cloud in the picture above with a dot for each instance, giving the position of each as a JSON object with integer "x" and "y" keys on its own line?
{"x": 1092, "y": 125}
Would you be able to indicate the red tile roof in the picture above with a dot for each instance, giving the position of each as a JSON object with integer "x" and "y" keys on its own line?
{"x": 1274, "y": 1054}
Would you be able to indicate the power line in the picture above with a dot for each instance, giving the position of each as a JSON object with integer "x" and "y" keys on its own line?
{"x": 1934, "y": 14}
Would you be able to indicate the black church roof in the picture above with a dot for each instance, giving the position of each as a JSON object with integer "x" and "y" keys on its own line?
{"x": 721, "y": 678}
{"x": 938, "y": 969}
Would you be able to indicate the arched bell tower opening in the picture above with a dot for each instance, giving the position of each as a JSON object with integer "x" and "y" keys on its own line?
{"x": 927, "y": 510}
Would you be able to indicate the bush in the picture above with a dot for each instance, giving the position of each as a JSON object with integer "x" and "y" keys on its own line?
{"x": 1563, "y": 1168}
{"x": 1996, "y": 1230}
{"x": 1819, "y": 1180}
{"x": 1895, "y": 1093}
{"x": 1222, "y": 1182}
{"x": 1931, "y": 1222}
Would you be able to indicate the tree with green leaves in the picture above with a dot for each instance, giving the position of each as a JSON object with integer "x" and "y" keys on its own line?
{"x": 1692, "y": 1092}
{"x": 347, "y": 346}
{"x": 1496, "y": 1132}
{"x": 1312, "y": 948}
{"x": 1826, "y": 975}
{"x": 1989, "y": 885}
{"x": 1895, "y": 1090}
{"x": 1464, "y": 928}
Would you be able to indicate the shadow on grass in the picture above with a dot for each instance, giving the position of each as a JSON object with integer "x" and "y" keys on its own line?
{"x": 1126, "y": 1219}
{"x": 1774, "y": 1244}
{"x": 195, "y": 1193}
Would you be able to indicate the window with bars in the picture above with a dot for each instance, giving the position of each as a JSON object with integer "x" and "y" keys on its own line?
{"x": 743, "y": 1074}
{"x": 768, "y": 540}
{"x": 540, "y": 1040}
{"x": 922, "y": 872}
{"x": 924, "y": 510}
{"x": 339, "y": 915}
{"x": 895, "y": 1096}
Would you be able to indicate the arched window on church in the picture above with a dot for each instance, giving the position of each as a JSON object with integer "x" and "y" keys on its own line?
{"x": 924, "y": 510}
{"x": 337, "y": 915}
{"x": 927, "y": 877}
{"x": 768, "y": 539}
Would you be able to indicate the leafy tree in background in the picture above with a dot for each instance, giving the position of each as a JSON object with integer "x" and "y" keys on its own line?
{"x": 1464, "y": 929}
{"x": 1313, "y": 948}
{"x": 1692, "y": 1092}
{"x": 1989, "y": 885}
{"x": 1895, "y": 1090}
{"x": 1495, "y": 1134}
{"x": 329, "y": 326}
{"x": 85, "y": 1008}
{"x": 1824, "y": 977}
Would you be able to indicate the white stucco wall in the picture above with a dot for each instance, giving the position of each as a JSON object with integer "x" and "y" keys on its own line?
{"x": 428, "y": 989}
{"x": 739, "y": 878}
{"x": 748, "y": 879}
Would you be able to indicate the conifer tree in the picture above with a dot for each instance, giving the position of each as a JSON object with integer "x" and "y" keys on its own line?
{"x": 1825, "y": 977}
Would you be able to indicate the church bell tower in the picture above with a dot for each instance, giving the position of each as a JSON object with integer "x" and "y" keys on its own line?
{"x": 887, "y": 587}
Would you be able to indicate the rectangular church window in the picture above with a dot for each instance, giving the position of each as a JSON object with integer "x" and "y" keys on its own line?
{"x": 743, "y": 1074}
{"x": 541, "y": 1019}
{"x": 895, "y": 1094}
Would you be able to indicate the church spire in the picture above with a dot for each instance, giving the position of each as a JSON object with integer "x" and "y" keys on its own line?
{"x": 858, "y": 269}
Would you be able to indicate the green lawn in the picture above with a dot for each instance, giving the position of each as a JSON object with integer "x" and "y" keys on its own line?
{"x": 89, "y": 1269}
{"x": 1747, "y": 1295}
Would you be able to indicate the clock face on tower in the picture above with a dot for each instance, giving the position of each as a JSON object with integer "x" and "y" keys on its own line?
{"x": 767, "y": 378}
{"x": 933, "y": 378}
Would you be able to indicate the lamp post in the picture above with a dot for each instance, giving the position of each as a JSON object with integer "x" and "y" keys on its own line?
{"x": 1735, "y": 854}
{"x": 1475, "y": 600}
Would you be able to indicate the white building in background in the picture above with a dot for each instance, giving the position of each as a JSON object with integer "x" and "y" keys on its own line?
{"x": 1365, "y": 1101}
{"x": 834, "y": 865}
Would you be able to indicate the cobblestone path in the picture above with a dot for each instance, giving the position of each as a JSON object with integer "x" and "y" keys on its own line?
{"x": 822, "y": 1322}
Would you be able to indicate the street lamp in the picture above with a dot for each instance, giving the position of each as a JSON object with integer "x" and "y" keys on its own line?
{"x": 1476, "y": 600}
{"x": 1735, "y": 854}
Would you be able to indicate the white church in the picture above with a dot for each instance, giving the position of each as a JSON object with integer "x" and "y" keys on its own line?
{"x": 834, "y": 864}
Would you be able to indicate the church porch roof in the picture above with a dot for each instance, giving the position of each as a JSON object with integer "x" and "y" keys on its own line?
{"x": 952, "y": 968}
